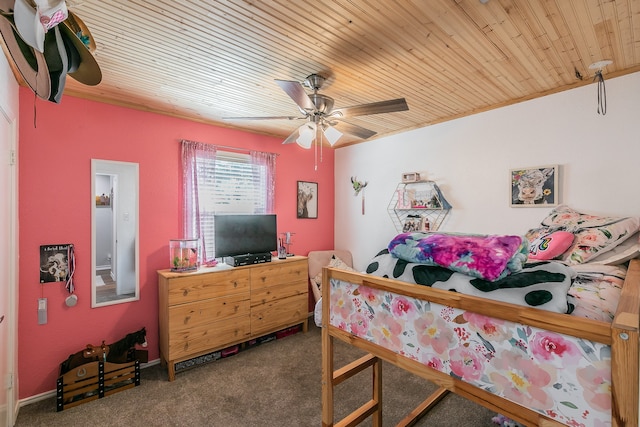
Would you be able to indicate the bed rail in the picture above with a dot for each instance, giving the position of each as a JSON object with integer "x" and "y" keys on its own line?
{"x": 622, "y": 335}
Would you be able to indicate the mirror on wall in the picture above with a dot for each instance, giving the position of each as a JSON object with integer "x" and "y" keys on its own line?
{"x": 114, "y": 233}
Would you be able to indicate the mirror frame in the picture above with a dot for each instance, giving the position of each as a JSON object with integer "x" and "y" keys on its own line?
{"x": 112, "y": 167}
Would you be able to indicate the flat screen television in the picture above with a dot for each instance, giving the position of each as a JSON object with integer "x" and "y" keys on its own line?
{"x": 244, "y": 234}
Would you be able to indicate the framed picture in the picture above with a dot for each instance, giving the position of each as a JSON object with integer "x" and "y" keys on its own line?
{"x": 307, "y": 200}
{"x": 534, "y": 187}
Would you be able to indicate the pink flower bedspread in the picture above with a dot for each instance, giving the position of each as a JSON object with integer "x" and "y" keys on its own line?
{"x": 563, "y": 377}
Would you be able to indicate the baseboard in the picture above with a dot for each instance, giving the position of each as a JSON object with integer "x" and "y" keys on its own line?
{"x": 52, "y": 393}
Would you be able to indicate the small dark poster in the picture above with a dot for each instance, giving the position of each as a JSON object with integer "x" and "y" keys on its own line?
{"x": 54, "y": 263}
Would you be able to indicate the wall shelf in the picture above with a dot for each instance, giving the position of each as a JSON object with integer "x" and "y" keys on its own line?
{"x": 418, "y": 206}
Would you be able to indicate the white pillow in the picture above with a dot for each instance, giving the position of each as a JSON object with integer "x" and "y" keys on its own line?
{"x": 622, "y": 253}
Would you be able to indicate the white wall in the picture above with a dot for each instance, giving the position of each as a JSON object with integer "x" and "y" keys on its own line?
{"x": 470, "y": 159}
{"x": 8, "y": 242}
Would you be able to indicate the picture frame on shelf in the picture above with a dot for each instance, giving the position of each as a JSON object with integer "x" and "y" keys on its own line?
{"x": 535, "y": 186}
{"x": 408, "y": 177}
{"x": 307, "y": 200}
{"x": 412, "y": 223}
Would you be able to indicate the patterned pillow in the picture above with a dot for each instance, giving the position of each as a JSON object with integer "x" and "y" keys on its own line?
{"x": 594, "y": 235}
{"x": 550, "y": 246}
{"x": 335, "y": 262}
{"x": 622, "y": 253}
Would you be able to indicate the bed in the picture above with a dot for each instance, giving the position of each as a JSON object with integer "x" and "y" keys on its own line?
{"x": 535, "y": 366}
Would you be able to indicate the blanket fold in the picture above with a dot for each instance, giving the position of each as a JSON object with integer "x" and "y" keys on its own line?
{"x": 488, "y": 257}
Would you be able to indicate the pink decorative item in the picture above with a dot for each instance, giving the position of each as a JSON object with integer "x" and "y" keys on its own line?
{"x": 550, "y": 246}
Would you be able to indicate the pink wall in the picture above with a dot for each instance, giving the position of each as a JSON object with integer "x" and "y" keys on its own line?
{"x": 54, "y": 208}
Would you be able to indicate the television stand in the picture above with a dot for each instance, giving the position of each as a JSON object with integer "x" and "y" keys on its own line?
{"x": 247, "y": 259}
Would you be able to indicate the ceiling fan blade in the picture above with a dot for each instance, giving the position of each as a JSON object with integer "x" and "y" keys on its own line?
{"x": 297, "y": 93}
{"x": 264, "y": 118}
{"x": 355, "y": 130}
{"x": 292, "y": 138}
{"x": 389, "y": 106}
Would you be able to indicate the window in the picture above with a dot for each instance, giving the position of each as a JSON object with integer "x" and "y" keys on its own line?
{"x": 216, "y": 181}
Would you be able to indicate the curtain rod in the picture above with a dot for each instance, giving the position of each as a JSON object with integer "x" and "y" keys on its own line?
{"x": 228, "y": 147}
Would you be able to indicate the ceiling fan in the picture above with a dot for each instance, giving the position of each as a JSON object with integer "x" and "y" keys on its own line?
{"x": 321, "y": 118}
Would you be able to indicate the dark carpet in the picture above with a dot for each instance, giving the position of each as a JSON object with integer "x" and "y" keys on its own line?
{"x": 277, "y": 383}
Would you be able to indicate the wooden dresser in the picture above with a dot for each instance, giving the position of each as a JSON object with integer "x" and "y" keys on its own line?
{"x": 214, "y": 308}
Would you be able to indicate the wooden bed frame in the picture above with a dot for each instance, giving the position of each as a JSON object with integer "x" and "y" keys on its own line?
{"x": 621, "y": 335}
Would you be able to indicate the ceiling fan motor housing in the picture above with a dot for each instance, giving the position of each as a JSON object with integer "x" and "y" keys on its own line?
{"x": 323, "y": 103}
{"x": 314, "y": 81}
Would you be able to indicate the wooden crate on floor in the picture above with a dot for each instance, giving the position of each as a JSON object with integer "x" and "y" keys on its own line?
{"x": 95, "y": 380}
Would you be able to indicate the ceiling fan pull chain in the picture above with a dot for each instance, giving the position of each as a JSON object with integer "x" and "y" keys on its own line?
{"x": 315, "y": 153}
{"x": 602, "y": 93}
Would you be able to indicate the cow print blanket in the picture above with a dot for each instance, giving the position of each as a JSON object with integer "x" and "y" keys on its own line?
{"x": 542, "y": 285}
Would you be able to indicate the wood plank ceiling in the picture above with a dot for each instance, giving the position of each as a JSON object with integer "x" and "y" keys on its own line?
{"x": 205, "y": 60}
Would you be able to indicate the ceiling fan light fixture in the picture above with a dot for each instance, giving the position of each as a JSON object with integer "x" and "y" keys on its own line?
{"x": 332, "y": 134}
{"x": 306, "y": 135}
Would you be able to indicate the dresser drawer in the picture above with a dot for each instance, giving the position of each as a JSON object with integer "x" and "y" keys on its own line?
{"x": 209, "y": 337}
{"x": 202, "y": 286}
{"x": 189, "y": 315}
{"x": 276, "y": 273}
{"x": 268, "y": 294}
{"x": 278, "y": 314}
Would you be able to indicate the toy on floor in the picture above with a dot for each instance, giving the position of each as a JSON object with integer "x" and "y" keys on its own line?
{"x": 118, "y": 352}
{"x": 503, "y": 421}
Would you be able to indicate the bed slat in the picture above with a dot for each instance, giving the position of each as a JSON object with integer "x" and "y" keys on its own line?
{"x": 431, "y": 401}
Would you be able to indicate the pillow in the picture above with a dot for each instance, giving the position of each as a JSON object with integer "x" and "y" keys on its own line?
{"x": 622, "y": 253}
{"x": 594, "y": 235}
{"x": 550, "y": 246}
{"x": 335, "y": 262}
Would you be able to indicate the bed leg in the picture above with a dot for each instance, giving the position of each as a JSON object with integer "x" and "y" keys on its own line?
{"x": 327, "y": 378}
{"x": 377, "y": 393}
{"x": 624, "y": 376}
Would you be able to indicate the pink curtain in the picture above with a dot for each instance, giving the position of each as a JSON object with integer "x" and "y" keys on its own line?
{"x": 194, "y": 154}
{"x": 259, "y": 158}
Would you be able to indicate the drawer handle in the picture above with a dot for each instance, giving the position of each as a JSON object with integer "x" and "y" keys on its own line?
{"x": 186, "y": 292}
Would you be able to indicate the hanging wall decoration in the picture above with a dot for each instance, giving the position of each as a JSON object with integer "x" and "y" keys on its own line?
{"x": 358, "y": 186}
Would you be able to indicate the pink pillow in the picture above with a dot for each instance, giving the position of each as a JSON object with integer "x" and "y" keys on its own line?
{"x": 550, "y": 246}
